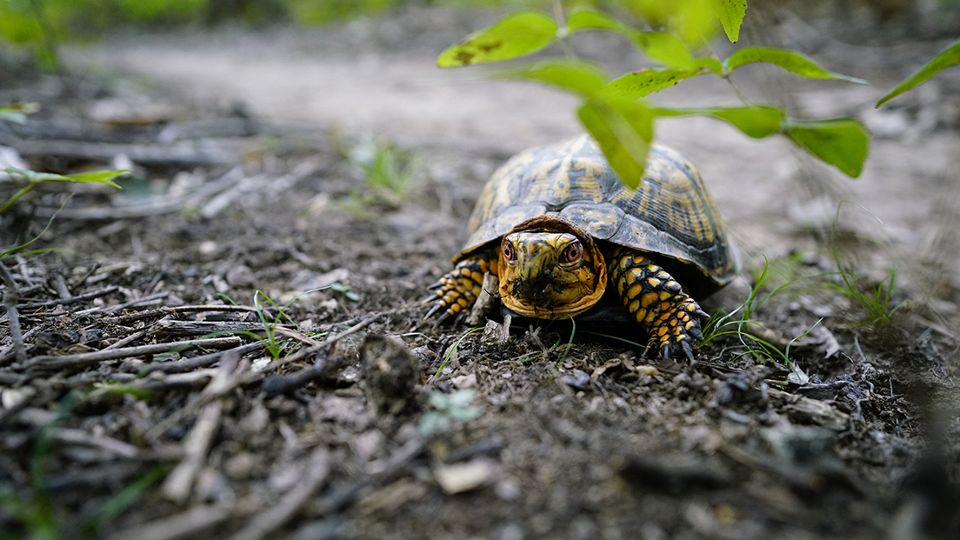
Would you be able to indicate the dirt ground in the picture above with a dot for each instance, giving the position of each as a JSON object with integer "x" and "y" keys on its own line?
{"x": 158, "y": 399}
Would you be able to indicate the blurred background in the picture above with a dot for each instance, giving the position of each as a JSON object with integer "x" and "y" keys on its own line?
{"x": 280, "y": 146}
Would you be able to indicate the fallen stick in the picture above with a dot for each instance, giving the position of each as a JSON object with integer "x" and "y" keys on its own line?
{"x": 10, "y": 298}
{"x": 308, "y": 351}
{"x": 156, "y": 206}
{"x": 135, "y": 302}
{"x": 126, "y": 341}
{"x": 83, "y": 359}
{"x": 188, "y": 524}
{"x": 169, "y": 310}
{"x": 201, "y": 361}
{"x": 179, "y": 482}
{"x": 73, "y": 299}
{"x": 180, "y": 155}
{"x": 264, "y": 524}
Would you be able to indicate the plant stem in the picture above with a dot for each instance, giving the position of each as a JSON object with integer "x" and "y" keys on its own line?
{"x": 22, "y": 192}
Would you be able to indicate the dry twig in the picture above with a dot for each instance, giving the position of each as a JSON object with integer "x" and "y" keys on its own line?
{"x": 10, "y": 298}
{"x": 44, "y": 363}
{"x": 274, "y": 517}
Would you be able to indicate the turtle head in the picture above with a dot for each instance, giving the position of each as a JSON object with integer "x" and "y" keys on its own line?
{"x": 550, "y": 269}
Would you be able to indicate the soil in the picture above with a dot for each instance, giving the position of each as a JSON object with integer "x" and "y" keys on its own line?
{"x": 247, "y": 151}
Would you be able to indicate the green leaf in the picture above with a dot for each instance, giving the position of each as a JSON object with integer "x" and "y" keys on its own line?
{"x": 574, "y": 76}
{"x": 97, "y": 177}
{"x": 731, "y": 13}
{"x": 791, "y": 61}
{"x": 511, "y": 37}
{"x": 753, "y": 121}
{"x": 710, "y": 63}
{"x": 647, "y": 81}
{"x": 594, "y": 20}
{"x": 948, "y": 57}
{"x": 94, "y": 177}
{"x": 665, "y": 48}
{"x": 843, "y": 143}
{"x": 623, "y": 129}
{"x": 662, "y": 47}
{"x": 12, "y": 114}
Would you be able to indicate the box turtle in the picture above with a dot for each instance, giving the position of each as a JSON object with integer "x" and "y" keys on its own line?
{"x": 555, "y": 224}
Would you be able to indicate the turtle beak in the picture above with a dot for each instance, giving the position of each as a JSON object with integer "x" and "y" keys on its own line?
{"x": 535, "y": 282}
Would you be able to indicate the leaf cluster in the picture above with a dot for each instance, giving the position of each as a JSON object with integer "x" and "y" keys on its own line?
{"x": 616, "y": 113}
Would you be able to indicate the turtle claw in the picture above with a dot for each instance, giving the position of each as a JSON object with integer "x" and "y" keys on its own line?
{"x": 696, "y": 333}
{"x": 688, "y": 350}
{"x": 702, "y": 313}
{"x": 436, "y": 307}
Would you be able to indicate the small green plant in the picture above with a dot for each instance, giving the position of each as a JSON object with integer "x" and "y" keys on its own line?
{"x": 739, "y": 323}
{"x": 387, "y": 173}
{"x": 269, "y": 322}
{"x": 34, "y": 511}
{"x": 875, "y": 300}
{"x": 30, "y": 180}
{"x": 616, "y": 112}
{"x": 449, "y": 410}
{"x": 452, "y": 350}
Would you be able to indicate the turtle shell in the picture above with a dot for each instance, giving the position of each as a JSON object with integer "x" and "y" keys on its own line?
{"x": 671, "y": 214}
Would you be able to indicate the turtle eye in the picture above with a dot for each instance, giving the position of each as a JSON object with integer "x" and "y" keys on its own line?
{"x": 509, "y": 253}
{"x": 572, "y": 252}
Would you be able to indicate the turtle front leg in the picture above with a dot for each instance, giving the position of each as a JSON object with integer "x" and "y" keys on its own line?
{"x": 458, "y": 289}
{"x": 657, "y": 301}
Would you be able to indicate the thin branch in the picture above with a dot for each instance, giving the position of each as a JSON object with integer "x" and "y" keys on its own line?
{"x": 83, "y": 359}
{"x": 10, "y": 298}
{"x": 266, "y": 523}
{"x": 308, "y": 351}
{"x": 73, "y": 299}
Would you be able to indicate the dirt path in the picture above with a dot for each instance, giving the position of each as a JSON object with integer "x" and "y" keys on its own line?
{"x": 321, "y": 427}
{"x": 907, "y": 194}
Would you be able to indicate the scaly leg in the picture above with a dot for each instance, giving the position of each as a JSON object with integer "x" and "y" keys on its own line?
{"x": 657, "y": 301}
{"x": 458, "y": 289}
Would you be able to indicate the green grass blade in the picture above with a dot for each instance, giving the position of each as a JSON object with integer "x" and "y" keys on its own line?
{"x": 123, "y": 500}
{"x": 948, "y": 57}
{"x": 511, "y": 37}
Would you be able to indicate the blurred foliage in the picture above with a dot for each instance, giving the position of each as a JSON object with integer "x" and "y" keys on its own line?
{"x": 675, "y": 36}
